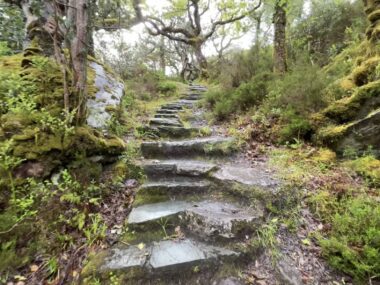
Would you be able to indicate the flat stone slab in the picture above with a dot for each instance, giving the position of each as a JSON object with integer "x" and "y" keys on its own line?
{"x": 129, "y": 258}
{"x": 200, "y": 146}
{"x": 172, "y": 107}
{"x": 176, "y": 186}
{"x": 166, "y": 255}
{"x": 183, "y": 167}
{"x": 219, "y": 219}
{"x": 192, "y": 97}
{"x": 167, "y": 116}
{"x": 152, "y": 212}
{"x": 165, "y": 122}
{"x": 197, "y": 88}
{"x": 169, "y": 254}
{"x": 246, "y": 175}
{"x": 186, "y": 103}
{"x": 166, "y": 111}
{"x": 208, "y": 219}
{"x": 171, "y": 131}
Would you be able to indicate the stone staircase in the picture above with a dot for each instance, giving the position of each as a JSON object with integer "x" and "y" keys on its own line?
{"x": 186, "y": 227}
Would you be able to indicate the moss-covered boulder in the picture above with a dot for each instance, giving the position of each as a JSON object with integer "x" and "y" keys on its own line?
{"x": 353, "y": 121}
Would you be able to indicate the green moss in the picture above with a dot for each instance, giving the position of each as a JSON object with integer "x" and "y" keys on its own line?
{"x": 151, "y": 235}
{"x": 324, "y": 155}
{"x": 142, "y": 198}
{"x": 368, "y": 167}
{"x": 95, "y": 261}
{"x": 13, "y": 123}
{"x": 28, "y": 133}
{"x": 365, "y": 72}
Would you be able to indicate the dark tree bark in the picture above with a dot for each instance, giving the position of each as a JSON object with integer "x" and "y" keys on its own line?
{"x": 78, "y": 11}
{"x": 279, "y": 20}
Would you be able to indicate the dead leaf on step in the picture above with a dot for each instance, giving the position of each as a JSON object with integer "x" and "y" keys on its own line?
{"x": 141, "y": 246}
{"x": 34, "y": 268}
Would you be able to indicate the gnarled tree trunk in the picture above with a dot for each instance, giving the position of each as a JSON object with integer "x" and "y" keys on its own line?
{"x": 279, "y": 20}
{"x": 202, "y": 60}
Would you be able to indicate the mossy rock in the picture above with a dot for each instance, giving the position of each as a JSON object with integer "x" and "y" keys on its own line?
{"x": 358, "y": 135}
{"x": 84, "y": 140}
{"x": 366, "y": 72}
{"x": 15, "y": 123}
{"x": 347, "y": 109}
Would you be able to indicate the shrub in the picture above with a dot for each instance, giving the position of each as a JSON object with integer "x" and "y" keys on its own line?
{"x": 294, "y": 126}
{"x": 223, "y": 109}
{"x": 252, "y": 93}
{"x": 167, "y": 88}
{"x": 300, "y": 89}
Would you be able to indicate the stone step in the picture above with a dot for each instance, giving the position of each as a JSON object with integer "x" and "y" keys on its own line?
{"x": 175, "y": 186}
{"x": 167, "y": 116}
{"x": 186, "y": 103}
{"x": 197, "y": 88}
{"x": 166, "y": 257}
{"x": 193, "y": 147}
{"x": 163, "y": 111}
{"x": 192, "y": 97}
{"x": 165, "y": 122}
{"x": 206, "y": 219}
{"x": 257, "y": 177}
{"x": 159, "y": 168}
{"x": 171, "y": 131}
{"x": 173, "y": 106}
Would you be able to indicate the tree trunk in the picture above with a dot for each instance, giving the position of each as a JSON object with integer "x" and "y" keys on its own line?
{"x": 279, "y": 55}
{"x": 162, "y": 55}
{"x": 258, "y": 33}
{"x": 79, "y": 50}
{"x": 202, "y": 61}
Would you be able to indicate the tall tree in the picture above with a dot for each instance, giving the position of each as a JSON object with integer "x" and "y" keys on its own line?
{"x": 183, "y": 22}
{"x": 78, "y": 15}
{"x": 279, "y": 42}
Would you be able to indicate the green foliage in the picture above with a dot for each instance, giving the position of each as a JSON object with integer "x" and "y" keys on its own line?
{"x": 8, "y": 163}
{"x": 246, "y": 96}
{"x": 266, "y": 238}
{"x": 167, "y": 88}
{"x": 353, "y": 245}
{"x": 4, "y": 49}
{"x": 12, "y": 30}
{"x": 300, "y": 89}
{"x": 367, "y": 166}
{"x": 295, "y": 127}
{"x": 128, "y": 159}
{"x": 329, "y": 28}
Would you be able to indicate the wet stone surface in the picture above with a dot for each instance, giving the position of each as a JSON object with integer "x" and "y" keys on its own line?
{"x": 165, "y": 122}
{"x": 186, "y": 147}
{"x": 159, "y": 168}
{"x": 165, "y": 255}
{"x": 176, "y": 185}
{"x": 205, "y": 218}
{"x": 246, "y": 175}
